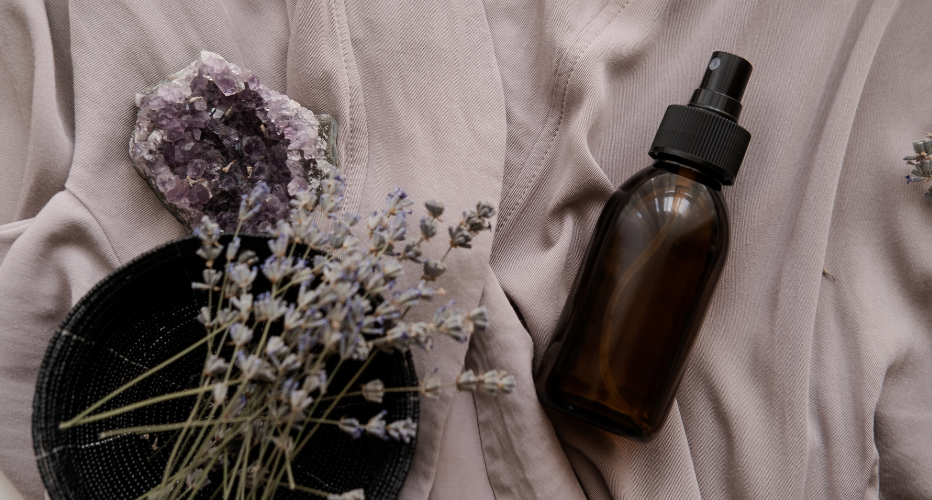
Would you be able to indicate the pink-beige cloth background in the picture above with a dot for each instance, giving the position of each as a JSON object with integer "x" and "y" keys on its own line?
{"x": 799, "y": 386}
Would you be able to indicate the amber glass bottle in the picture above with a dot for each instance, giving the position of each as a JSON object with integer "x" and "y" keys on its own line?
{"x": 644, "y": 286}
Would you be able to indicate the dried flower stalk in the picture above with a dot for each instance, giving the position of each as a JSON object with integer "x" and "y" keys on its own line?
{"x": 264, "y": 392}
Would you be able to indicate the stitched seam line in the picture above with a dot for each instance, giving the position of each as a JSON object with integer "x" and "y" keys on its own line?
{"x": 485, "y": 464}
{"x": 341, "y": 26}
{"x": 113, "y": 253}
{"x": 564, "y": 86}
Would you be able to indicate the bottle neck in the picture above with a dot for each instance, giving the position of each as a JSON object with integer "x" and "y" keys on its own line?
{"x": 688, "y": 172}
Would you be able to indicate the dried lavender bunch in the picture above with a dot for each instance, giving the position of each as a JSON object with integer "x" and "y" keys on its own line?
{"x": 922, "y": 161}
{"x": 265, "y": 388}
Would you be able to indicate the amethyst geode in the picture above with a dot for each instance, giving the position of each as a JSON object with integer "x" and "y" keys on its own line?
{"x": 209, "y": 133}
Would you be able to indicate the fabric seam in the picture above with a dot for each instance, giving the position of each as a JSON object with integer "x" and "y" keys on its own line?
{"x": 505, "y": 219}
{"x": 485, "y": 464}
{"x": 113, "y": 253}
{"x": 341, "y": 26}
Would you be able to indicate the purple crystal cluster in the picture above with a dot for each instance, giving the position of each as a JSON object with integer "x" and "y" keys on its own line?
{"x": 208, "y": 134}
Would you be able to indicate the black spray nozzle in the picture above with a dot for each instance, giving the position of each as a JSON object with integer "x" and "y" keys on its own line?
{"x": 723, "y": 85}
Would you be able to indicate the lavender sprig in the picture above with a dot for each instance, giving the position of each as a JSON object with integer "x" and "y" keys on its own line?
{"x": 922, "y": 163}
{"x": 262, "y": 395}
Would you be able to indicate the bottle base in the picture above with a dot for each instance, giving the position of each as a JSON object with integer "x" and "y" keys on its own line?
{"x": 596, "y": 414}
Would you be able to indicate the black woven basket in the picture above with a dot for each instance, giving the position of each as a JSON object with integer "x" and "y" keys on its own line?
{"x": 141, "y": 315}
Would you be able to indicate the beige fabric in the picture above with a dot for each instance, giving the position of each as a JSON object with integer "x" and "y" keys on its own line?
{"x": 798, "y": 387}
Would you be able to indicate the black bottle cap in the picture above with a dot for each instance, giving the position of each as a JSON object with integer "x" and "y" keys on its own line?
{"x": 705, "y": 134}
{"x": 723, "y": 85}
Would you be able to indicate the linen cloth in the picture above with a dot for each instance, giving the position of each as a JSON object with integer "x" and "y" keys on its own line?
{"x": 799, "y": 386}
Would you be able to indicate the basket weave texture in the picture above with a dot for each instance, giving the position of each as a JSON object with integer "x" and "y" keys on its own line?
{"x": 142, "y": 314}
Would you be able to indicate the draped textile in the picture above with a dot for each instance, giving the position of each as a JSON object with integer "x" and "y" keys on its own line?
{"x": 799, "y": 385}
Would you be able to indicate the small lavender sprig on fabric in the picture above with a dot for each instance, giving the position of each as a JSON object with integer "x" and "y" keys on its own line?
{"x": 922, "y": 163}
{"x": 334, "y": 302}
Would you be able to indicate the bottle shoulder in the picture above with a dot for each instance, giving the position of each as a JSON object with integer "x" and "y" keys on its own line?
{"x": 656, "y": 198}
{"x": 660, "y": 182}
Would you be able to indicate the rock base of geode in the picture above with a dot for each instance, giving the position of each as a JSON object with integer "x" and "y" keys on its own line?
{"x": 208, "y": 134}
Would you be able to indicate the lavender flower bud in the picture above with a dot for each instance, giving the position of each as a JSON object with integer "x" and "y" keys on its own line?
{"x": 479, "y": 317}
{"x": 412, "y": 251}
{"x": 396, "y": 201}
{"x": 259, "y": 192}
{"x": 313, "y": 236}
{"x": 351, "y": 219}
{"x": 300, "y": 400}
{"x": 246, "y": 211}
{"x": 427, "y": 293}
{"x": 376, "y": 221}
{"x": 240, "y": 334}
{"x": 211, "y": 276}
{"x": 242, "y": 276}
{"x": 204, "y": 317}
{"x": 422, "y": 335}
{"x": 306, "y": 296}
{"x": 488, "y": 382}
{"x": 207, "y": 231}
{"x": 372, "y": 325}
{"x": 361, "y": 351}
{"x": 485, "y": 209}
{"x": 376, "y": 284}
{"x": 215, "y": 366}
{"x": 209, "y": 253}
{"x": 376, "y": 425}
{"x": 244, "y": 304}
{"x": 392, "y": 269}
{"x": 329, "y": 186}
{"x": 433, "y": 269}
{"x": 284, "y": 443}
{"x": 284, "y": 230}
{"x": 226, "y": 316}
{"x": 357, "y": 494}
{"x": 402, "y": 430}
{"x": 293, "y": 318}
{"x": 467, "y": 381}
{"x": 473, "y": 222}
{"x": 233, "y": 249}
{"x": 506, "y": 382}
{"x": 289, "y": 364}
{"x": 459, "y": 237}
{"x": 275, "y": 347}
{"x": 348, "y": 343}
{"x": 305, "y": 344}
{"x": 379, "y": 241}
{"x": 397, "y": 228}
{"x": 387, "y": 309}
{"x": 428, "y": 228}
{"x": 329, "y": 203}
{"x": 279, "y": 246}
{"x": 350, "y": 426}
{"x": 398, "y": 337}
{"x": 220, "y": 393}
{"x": 268, "y": 308}
{"x": 407, "y": 298}
{"x": 454, "y": 326}
{"x": 373, "y": 391}
{"x": 434, "y": 207}
{"x": 254, "y": 368}
{"x": 276, "y": 268}
{"x": 430, "y": 386}
{"x": 304, "y": 199}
